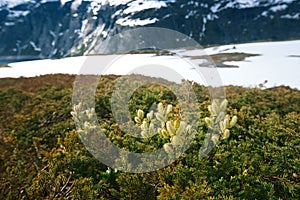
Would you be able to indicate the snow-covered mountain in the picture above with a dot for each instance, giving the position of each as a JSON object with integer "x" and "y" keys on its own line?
{"x": 53, "y": 28}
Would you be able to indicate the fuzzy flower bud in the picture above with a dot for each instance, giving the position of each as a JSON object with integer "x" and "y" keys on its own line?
{"x": 74, "y": 114}
{"x": 188, "y": 128}
{"x": 160, "y": 108}
{"x": 226, "y": 123}
{"x": 233, "y": 121}
{"x": 137, "y": 120}
{"x": 221, "y": 116}
{"x": 151, "y": 128}
{"x": 223, "y": 105}
{"x": 140, "y": 114}
{"x": 168, "y": 148}
{"x": 210, "y": 109}
{"x": 176, "y": 124}
{"x": 207, "y": 121}
{"x": 215, "y": 138}
{"x": 159, "y": 117}
{"x": 77, "y": 107}
{"x": 150, "y": 115}
{"x": 164, "y": 133}
{"x": 170, "y": 128}
{"x": 181, "y": 128}
{"x": 144, "y": 125}
{"x": 226, "y": 134}
{"x": 222, "y": 126}
{"x": 215, "y": 108}
{"x": 169, "y": 109}
{"x": 144, "y": 133}
{"x": 177, "y": 140}
{"x": 90, "y": 113}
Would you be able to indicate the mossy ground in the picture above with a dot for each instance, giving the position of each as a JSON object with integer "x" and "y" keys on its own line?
{"x": 42, "y": 156}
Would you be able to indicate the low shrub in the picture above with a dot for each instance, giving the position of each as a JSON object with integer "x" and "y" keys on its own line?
{"x": 42, "y": 156}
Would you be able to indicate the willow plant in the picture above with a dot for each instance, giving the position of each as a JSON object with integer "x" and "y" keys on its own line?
{"x": 218, "y": 124}
{"x": 174, "y": 130}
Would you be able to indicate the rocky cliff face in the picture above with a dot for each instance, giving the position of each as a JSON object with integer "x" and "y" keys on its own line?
{"x": 51, "y": 28}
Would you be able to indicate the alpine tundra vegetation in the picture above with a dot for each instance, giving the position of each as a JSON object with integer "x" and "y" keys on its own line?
{"x": 255, "y": 155}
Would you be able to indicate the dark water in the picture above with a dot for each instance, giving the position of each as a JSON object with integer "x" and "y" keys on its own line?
{"x": 8, "y": 61}
{"x": 5, "y": 60}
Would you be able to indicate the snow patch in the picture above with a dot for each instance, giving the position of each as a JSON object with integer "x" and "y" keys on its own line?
{"x": 243, "y": 4}
{"x": 52, "y": 34}
{"x": 204, "y": 5}
{"x": 17, "y": 13}
{"x": 9, "y": 23}
{"x": 117, "y": 2}
{"x": 278, "y": 8}
{"x": 215, "y": 8}
{"x": 139, "y": 5}
{"x": 264, "y": 14}
{"x": 135, "y": 22}
{"x": 95, "y": 7}
{"x": 76, "y": 4}
{"x": 289, "y": 16}
{"x": 104, "y": 34}
{"x": 13, "y": 3}
{"x": 84, "y": 25}
{"x": 34, "y": 46}
{"x": 247, "y": 3}
{"x": 63, "y": 2}
{"x": 191, "y": 13}
{"x": 211, "y": 16}
{"x": 282, "y": 1}
{"x": 274, "y": 64}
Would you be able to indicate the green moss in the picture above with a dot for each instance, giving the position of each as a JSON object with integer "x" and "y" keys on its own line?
{"x": 42, "y": 156}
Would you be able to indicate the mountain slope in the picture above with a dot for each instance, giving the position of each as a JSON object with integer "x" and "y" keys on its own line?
{"x": 49, "y": 28}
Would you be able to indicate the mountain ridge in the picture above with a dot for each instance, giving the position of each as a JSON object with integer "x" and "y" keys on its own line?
{"x": 53, "y": 29}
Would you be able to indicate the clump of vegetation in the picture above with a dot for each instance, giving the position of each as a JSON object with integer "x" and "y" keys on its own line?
{"x": 173, "y": 130}
{"x": 42, "y": 156}
{"x": 224, "y": 57}
{"x": 4, "y": 65}
{"x": 220, "y": 58}
{"x": 218, "y": 125}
